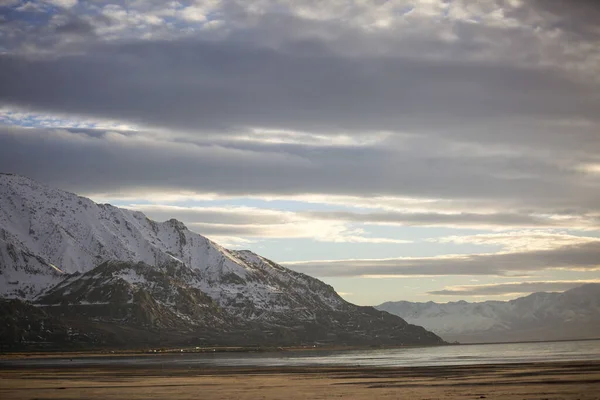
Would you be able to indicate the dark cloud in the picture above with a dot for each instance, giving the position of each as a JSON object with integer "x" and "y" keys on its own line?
{"x": 508, "y": 288}
{"x": 115, "y": 163}
{"x": 581, "y": 256}
{"x": 75, "y": 26}
{"x": 574, "y": 16}
{"x": 202, "y": 86}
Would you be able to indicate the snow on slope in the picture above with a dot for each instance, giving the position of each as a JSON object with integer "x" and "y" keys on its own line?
{"x": 23, "y": 274}
{"x": 74, "y": 234}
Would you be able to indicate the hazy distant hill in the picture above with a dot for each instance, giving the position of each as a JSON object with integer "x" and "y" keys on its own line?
{"x": 104, "y": 274}
{"x": 574, "y": 314}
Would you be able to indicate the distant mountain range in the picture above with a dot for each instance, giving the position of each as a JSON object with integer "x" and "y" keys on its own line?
{"x": 73, "y": 271}
{"x": 574, "y": 314}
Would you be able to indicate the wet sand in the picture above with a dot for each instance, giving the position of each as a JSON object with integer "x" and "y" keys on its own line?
{"x": 565, "y": 380}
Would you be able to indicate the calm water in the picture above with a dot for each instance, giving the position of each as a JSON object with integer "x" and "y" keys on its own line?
{"x": 424, "y": 356}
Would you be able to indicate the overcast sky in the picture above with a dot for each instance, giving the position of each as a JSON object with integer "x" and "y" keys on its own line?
{"x": 398, "y": 150}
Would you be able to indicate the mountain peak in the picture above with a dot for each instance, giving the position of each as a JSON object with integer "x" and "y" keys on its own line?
{"x": 177, "y": 224}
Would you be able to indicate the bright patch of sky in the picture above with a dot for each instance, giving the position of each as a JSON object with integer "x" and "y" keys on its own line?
{"x": 23, "y": 118}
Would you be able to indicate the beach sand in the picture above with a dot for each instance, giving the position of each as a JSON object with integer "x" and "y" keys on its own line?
{"x": 566, "y": 380}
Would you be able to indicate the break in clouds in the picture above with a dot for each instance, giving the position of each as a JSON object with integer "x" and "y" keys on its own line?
{"x": 373, "y": 119}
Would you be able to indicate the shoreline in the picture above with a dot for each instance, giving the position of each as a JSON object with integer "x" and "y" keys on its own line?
{"x": 192, "y": 350}
{"x": 113, "y": 352}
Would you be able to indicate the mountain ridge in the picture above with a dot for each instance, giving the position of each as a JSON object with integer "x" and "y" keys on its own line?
{"x": 90, "y": 264}
{"x": 573, "y": 314}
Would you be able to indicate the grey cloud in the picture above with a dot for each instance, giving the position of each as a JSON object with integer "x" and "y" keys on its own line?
{"x": 107, "y": 163}
{"x": 102, "y": 164}
{"x": 509, "y": 288}
{"x": 463, "y": 219}
{"x": 74, "y": 25}
{"x": 269, "y": 72}
{"x": 582, "y": 256}
{"x": 574, "y": 16}
{"x": 200, "y": 86}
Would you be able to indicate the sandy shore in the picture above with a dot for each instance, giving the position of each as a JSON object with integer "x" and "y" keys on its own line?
{"x": 569, "y": 380}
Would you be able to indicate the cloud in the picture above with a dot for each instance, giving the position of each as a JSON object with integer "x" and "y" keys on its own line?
{"x": 242, "y": 215}
{"x": 62, "y": 3}
{"x": 382, "y": 102}
{"x": 303, "y": 66}
{"x": 524, "y": 240}
{"x": 458, "y": 220}
{"x": 500, "y": 289}
{"x": 533, "y": 22}
{"x": 23, "y": 117}
{"x": 583, "y": 256}
{"x": 585, "y": 12}
{"x": 254, "y": 222}
{"x": 129, "y": 158}
{"x": 373, "y": 174}
{"x": 251, "y": 222}
{"x": 228, "y": 84}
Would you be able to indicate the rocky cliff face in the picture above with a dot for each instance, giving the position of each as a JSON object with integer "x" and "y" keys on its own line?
{"x": 574, "y": 314}
{"x": 108, "y": 270}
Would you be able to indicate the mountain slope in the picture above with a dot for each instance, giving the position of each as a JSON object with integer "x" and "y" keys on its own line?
{"x": 75, "y": 234}
{"x": 24, "y": 274}
{"x": 95, "y": 262}
{"x": 69, "y": 233}
{"x": 574, "y": 314}
{"x": 138, "y": 293}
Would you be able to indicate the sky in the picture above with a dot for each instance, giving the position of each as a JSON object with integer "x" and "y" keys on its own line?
{"x": 398, "y": 150}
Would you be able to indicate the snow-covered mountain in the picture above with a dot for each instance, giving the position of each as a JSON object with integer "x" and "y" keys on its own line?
{"x": 574, "y": 314}
{"x": 76, "y": 258}
{"x": 46, "y": 233}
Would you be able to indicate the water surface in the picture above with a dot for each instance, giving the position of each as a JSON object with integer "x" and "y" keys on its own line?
{"x": 417, "y": 356}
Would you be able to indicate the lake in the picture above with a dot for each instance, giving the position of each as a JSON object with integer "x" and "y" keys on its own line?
{"x": 405, "y": 357}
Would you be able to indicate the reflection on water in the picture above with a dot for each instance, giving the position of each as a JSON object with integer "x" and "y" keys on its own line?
{"x": 422, "y": 356}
